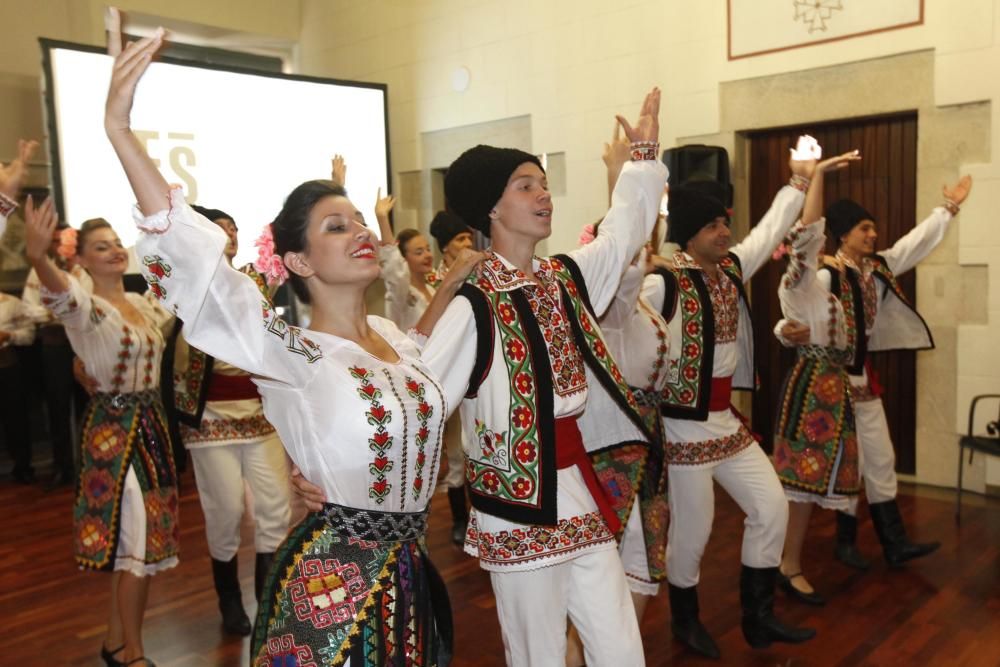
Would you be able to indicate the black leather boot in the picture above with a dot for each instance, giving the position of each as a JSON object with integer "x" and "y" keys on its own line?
{"x": 685, "y": 624}
{"x": 846, "y": 550}
{"x": 892, "y": 534}
{"x": 459, "y": 514}
{"x": 261, "y": 567}
{"x": 760, "y": 627}
{"x": 227, "y": 585}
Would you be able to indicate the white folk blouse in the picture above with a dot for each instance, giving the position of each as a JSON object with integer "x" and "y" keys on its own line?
{"x": 367, "y": 431}
{"x": 404, "y": 304}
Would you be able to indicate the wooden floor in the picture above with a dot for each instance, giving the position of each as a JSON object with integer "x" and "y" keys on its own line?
{"x": 942, "y": 610}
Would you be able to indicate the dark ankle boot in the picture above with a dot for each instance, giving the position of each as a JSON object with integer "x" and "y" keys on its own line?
{"x": 459, "y": 514}
{"x": 846, "y": 550}
{"x": 686, "y": 626}
{"x": 892, "y": 534}
{"x": 261, "y": 568}
{"x": 227, "y": 585}
{"x": 760, "y": 627}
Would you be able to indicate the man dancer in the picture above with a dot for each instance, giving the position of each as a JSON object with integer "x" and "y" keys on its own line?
{"x": 711, "y": 350}
{"x": 865, "y": 282}
{"x": 524, "y": 350}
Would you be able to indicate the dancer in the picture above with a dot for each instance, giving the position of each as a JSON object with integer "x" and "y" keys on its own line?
{"x": 703, "y": 299}
{"x": 865, "y": 283}
{"x": 407, "y": 269}
{"x": 540, "y": 391}
{"x": 221, "y": 422}
{"x": 356, "y": 409}
{"x": 125, "y": 517}
{"x": 815, "y": 447}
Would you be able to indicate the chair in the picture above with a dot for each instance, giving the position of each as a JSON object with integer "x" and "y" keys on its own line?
{"x": 987, "y": 444}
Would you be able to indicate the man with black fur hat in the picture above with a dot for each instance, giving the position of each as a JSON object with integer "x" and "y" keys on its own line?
{"x": 523, "y": 349}
{"x": 452, "y": 236}
{"x": 865, "y": 282}
{"x": 704, "y": 302}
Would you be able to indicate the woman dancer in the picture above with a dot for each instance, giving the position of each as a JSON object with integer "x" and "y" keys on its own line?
{"x": 815, "y": 445}
{"x": 406, "y": 262}
{"x": 354, "y": 406}
{"x": 125, "y": 517}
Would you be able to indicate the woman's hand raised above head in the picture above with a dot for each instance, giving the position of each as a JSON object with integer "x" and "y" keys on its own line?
{"x": 12, "y": 175}
{"x": 39, "y": 225}
{"x": 130, "y": 64}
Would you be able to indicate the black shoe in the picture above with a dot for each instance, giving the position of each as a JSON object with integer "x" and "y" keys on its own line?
{"x": 760, "y": 627}
{"x": 59, "y": 479}
{"x": 260, "y": 570}
{"x": 846, "y": 550}
{"x": 108, "y": 656}
{"x": 785, "y": 583}
{"x": 892, "y": 534}
{"x": 227, "y": 586}
{"x": 686, "y": 626}
{"x": 459, "y": 514}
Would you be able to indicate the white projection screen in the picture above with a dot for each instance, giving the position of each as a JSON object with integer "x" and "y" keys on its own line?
{"x": 236, "y": 140}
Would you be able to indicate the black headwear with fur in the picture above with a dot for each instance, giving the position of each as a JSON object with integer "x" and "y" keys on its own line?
{"x": 446, "y": 226}
{"x": 476, "y": 180}
{"x": 844, "y": 215}
{"x": 690, "y": 207}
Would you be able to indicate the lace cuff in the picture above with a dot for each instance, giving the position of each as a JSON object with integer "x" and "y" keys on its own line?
{"x": 159, "y": 222}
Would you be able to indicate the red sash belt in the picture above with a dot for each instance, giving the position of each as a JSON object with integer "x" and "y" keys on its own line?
{"x": 722, "y": 394}
{"x": 873, "y": 383}
{"x": 571, "y": 452}
{"x": 231, "y": 388}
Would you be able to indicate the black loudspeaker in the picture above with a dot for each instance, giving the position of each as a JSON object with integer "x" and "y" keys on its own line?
{"x": 698, "y": 162}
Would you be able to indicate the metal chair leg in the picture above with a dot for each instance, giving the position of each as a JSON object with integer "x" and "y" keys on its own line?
{"x": 958, "y": 491}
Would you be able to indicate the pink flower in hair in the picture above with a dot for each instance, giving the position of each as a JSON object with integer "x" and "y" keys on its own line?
{"x": 67, "y": 243}
{"x": 780, "y": 252}
{"x": 270, "y": 265}
{"x": 587, "y": 234}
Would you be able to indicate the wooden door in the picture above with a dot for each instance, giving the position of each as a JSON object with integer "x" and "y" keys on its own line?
{"x": 885, "y": 184}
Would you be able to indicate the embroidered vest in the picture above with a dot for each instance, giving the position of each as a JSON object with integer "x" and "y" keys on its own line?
{"x": 689, "y": 376}
{"x": 911, "y": 333}
{"x": 513, "y": 475}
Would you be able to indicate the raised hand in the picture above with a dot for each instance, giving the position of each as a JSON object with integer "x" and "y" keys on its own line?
{"x": 647, "y": 127}
{"x": 338, "y": 170}
{"x": 12, "y": 175}
{"x": 958, "y": 192}
{"x": 383, "y": 205}
{"x": 804, "y": 157}
{"x": 130, "y": 64}
{"x": 838, "y": 162}
{"x": 615, "y": 155}
{"x": 39, "y": 224}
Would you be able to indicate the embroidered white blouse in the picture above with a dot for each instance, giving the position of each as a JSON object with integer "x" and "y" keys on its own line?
{"x": 121, "y": 356}
{"x": 451, "y": 353}
{"x": 723, "y": 435}
{"x": 367, "y": 431}
{"x": 404, "y": 304}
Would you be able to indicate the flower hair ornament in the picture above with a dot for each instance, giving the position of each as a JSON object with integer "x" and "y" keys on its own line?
{"x": 269, "y": 264}
{"x": 67, "y": 243}
{"x": 587, "y": 234}
{"x": 780, "y": 251}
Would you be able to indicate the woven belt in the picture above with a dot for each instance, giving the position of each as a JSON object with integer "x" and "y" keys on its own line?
{"x": 834, "y": 355}
{"x": 646, "y": 399}
{"x": 373, "y": 526}
{"x": 118, "y": 401}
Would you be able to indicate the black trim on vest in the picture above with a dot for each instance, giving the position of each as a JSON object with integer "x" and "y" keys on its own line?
{"x": 484, "y": 343}
{"x": 174, "y": 416}
{"x": 888, "y": 289}
{"x": 606, "y": 380}
{"x": 581, "y": 284}
{"x": 857, "y": 366}
{"x": 546, "y": 513}
{"x": 699, "y": 412}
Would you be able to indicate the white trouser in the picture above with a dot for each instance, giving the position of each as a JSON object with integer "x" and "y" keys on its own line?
{"x": 533, "y": 606}
{"x": 219, "y": 472}
{"x": 456, "y": 453}
{"x": 876, "y": 458}
{"x": 750, "y": 480}
{"x": 633, "y": 553}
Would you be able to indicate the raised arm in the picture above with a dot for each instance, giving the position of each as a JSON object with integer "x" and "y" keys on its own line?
{"x": 912, "y": 248}
{"x": 39, "y": 225}
{"x": 12, "y": 177}
{"x": 634, "y": 206}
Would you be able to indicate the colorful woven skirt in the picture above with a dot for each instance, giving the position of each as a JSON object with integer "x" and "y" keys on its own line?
{"x": 356, "y": 587}
{"x": 815, "y": 444}
{"x": 125, "y": 432}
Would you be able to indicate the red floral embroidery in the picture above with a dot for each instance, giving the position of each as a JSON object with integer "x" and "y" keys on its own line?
{"x": 519, "y": 545}
{"x": 526, "y": 452}
{"x": 707, "y": 451}
{"x": 522, "y": 416}
{"x": 424, "y": 412}
{"x": 380, "y": 442}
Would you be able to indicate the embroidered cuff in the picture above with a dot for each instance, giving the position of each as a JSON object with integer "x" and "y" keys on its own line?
{"x": 645, "y": 150}
{"x": 951, "y": 207}
{"x": 58, "y": 303}
{"x": 800, "y": 183}
{"x": 159, "y": 222}
{"x": 7, "y": 205}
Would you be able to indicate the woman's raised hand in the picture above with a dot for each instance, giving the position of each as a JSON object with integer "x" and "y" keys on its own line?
{"x": 383, "y": 205}
{"x": 647, "y": 127}
{"x": 12, "y": 175}
{"x": 39, "y": 225}
{"x": 838, "y": 161}
{"x": 958, "y": 192}
{"x": 338, "y": 170}
{"x": 130, "y": 64}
